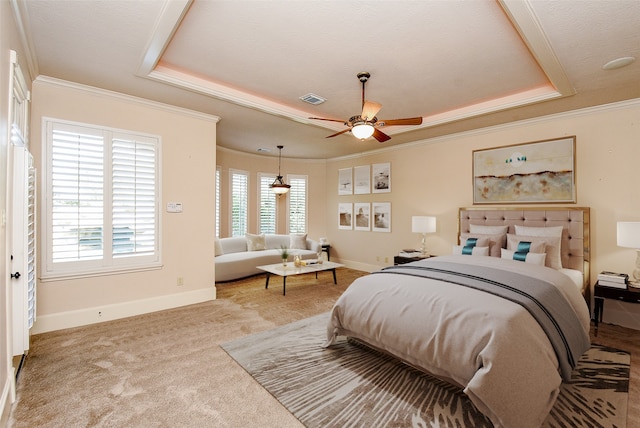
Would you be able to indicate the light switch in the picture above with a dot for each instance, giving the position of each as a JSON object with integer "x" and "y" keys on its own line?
{"x": 174, "y": 207}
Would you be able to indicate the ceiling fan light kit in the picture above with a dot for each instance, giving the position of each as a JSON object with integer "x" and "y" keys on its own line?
{"x": 362, "y": 130}
{"x": 279, "y": 187}
{"x": 366, "y": 124}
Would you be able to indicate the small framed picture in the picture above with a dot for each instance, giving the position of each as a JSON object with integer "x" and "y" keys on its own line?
{"x": 381, "y": 178}
{"x": 345, "y": 183}
{"x": 345, "y": 214}
{"x": 362, "y": 212}
{"x": 361, "y": 180}
{"x": 381, "y": 216}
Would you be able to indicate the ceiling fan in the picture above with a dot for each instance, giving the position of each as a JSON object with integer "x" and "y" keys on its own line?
{"x": 366, "y": 124}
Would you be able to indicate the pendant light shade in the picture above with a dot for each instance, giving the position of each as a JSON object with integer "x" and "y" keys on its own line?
{"x": 278, "y": 186}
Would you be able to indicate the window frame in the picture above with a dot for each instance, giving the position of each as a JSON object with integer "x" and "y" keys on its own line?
{"x": 233, "y": 172}
{"x": 290, "y": 180}
{"x": 106, "y": 264}
{"x": 269, "y": 178}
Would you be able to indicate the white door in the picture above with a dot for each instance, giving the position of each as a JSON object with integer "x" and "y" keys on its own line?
{"x": 23, "y": 252}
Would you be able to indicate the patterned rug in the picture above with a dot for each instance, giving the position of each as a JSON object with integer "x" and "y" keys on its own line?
{"x": 351, "y": 385}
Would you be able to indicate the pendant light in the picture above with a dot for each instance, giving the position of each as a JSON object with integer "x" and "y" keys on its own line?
{"x": 279, "y": 187}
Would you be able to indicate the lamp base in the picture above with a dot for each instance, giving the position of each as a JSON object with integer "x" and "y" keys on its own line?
{"x": 423, "y": 246}
{"x": 636, "y": 271}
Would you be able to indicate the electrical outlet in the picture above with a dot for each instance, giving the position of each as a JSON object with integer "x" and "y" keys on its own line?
{"x": 386, "y": 259}
{"x": 180, "y": 281}
{"x": 377, "y": 258}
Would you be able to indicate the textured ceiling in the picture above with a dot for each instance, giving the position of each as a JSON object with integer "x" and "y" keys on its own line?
{"x": 458, "y": 64}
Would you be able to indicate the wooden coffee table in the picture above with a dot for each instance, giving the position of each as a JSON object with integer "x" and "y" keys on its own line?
{"x": 290, "y": 269}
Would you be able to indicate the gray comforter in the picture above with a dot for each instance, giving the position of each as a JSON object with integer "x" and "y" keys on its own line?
{"x": 491, "y": 346}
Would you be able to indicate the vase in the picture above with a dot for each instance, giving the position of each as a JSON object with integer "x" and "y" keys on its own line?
{"x": 284, "y": 261}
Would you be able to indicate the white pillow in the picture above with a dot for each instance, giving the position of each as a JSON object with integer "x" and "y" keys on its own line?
{"x": 551, "y": 247}
{"x": 476, "y": 251}
{"x": 255, "y": 242}
{"x": 534, "y": 258}
{"x": 298, "y": 241}
{"x": 488, "y": 230}
{"x": 218, "y": 247}
{"x": 539, "y": 231}
{"x": 495, "y": 241}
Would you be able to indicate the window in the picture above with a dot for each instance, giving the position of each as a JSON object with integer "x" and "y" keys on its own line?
{"x": 267, "y": 217}
{"x": 297, "y": 203}
{"x": 218, "y": 201}
{"x": 239, "y": 198}
{"x": 101, "y": 196}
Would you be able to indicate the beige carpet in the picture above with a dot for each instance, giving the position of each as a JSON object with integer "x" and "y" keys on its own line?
{"x": 166, "y": 369}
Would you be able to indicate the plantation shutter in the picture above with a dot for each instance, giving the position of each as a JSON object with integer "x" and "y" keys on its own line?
{"x": 77, "y": 184}
{"x": 217, "y": 202}
{"x": 297, "y": 204}
{"x": 134, "y": 197}
{"x": 239, "y": 198}
{"x": 267, "y": 215}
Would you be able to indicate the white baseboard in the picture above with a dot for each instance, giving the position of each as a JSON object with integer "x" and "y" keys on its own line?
{"x": 6, "y": 400}
{"x": 365, "y": 267}
{"x": 77, "y": 318}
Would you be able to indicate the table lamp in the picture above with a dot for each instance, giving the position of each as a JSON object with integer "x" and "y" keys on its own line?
{"x": 629, "y": 237}
{"x": 424, "y": 224}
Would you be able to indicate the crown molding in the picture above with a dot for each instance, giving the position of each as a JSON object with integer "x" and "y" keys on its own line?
{"x": 104, "y": 93}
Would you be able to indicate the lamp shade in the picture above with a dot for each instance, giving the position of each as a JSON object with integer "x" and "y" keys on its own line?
{"x": 362, "y": 130}
{"x": 629, "y": 234}
{"x": 423, "y": 224}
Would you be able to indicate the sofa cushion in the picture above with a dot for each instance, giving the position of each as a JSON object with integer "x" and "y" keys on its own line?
{"x": 298, "y": 241}
{"x": 255, "y": 242}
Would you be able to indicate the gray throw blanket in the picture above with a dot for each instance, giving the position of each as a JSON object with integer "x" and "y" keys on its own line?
{"x": 540, "y": 298}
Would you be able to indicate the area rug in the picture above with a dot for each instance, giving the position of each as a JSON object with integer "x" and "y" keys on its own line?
{"x": 351, "y": 385}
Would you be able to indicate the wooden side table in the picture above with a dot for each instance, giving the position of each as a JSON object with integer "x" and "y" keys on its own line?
{"x": 327, "y": 249}
{"x": 600, "y": 292}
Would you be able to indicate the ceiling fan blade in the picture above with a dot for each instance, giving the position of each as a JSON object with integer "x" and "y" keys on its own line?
{"x": 370, "y": 109}
{"x": 338, "y": 133}
{"x": 406, "y": 121}
{"x": 330, "y": 120}
{"x": 380, "y": 136}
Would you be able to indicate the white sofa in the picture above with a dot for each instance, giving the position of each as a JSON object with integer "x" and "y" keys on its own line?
{"x": 234, "y": 260}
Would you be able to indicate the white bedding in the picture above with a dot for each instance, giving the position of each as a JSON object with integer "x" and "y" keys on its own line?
{"x": 493, "y": 348}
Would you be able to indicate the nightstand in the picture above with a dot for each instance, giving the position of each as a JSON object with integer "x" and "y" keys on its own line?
{"x": 399, "y": 260}
{"x": 327, "y": 249}
{"x": 600, "y": 292}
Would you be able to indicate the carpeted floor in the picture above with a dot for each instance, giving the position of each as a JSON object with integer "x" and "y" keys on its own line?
{"x": 351, "y": 385}
{"x": 167, "y": 369}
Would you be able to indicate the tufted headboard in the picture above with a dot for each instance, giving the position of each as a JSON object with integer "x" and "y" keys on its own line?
{"x": 574, "y": 249}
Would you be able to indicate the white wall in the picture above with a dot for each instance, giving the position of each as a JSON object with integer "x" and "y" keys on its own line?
{"x": 188, "y": 176}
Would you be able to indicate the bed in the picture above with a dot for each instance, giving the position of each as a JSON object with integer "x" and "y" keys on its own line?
{"x": 508, "y": 331}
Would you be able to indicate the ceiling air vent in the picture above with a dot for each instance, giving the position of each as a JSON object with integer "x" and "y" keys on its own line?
{"x": 312, "y": 99}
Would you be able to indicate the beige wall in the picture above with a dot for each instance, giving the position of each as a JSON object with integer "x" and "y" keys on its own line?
{"x": 434, "y": 178}
{"x": 315, "y": 170}
{"x": 188, "y": 176}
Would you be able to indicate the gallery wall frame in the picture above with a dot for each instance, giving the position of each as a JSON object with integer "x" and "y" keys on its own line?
{"x": 345, "y": 181}
{"x": 381, "y": 177}
{"x": 362, "y": 216}
{"x": 345, "y": 216}
{"x": 381, "y": 216}
{"x": 538, "y": 172}
{"x": 362, "y": 180}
